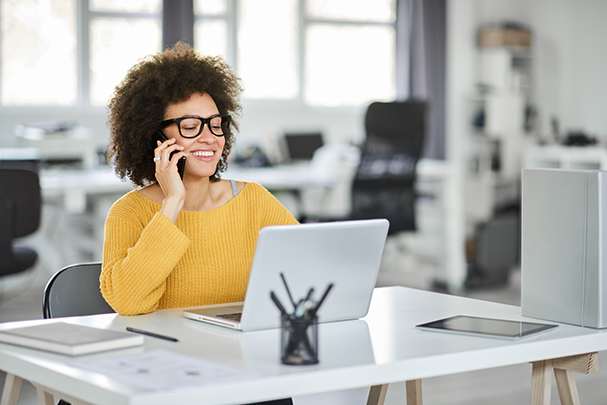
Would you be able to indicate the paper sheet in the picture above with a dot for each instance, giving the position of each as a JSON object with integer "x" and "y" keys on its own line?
{"x": 161, "y": 370}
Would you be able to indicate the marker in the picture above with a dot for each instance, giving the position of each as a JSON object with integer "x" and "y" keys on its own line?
{"x": 146, "y": 333}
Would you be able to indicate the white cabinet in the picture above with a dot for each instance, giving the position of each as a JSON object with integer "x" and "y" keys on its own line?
{"x": 566, "y": 157}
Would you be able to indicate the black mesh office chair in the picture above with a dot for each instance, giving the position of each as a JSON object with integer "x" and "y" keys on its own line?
{"x": 384, "y": 185}
{"x": 20, "y": 207}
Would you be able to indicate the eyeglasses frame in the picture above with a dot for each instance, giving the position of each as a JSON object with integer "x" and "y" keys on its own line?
{"x": 204, "y": 121}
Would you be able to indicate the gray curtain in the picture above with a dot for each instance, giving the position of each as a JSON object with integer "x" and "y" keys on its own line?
{"x": 420, "y": 64}
{"x": 177, "y": 22}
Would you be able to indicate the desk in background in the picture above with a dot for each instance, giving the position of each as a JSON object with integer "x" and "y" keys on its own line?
{"x": 81, "y": 198}
{"x": 77, "y": 202}
{"x": 384, "y": 347}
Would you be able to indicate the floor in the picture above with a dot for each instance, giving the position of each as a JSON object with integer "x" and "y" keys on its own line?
{"x": 21, "y": 298}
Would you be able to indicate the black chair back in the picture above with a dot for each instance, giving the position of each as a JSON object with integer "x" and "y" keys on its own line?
{"x": 20, "y": 210}
{"x": 74, "y": 291}
{"x": 384, "y": 185}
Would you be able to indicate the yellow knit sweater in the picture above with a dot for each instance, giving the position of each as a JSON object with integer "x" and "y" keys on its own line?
{"x": 149, "y": 263}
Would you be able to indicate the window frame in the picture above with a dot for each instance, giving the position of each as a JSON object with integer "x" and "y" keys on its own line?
{"x": 304, "y": 22}
{"x": 85, "y": 16}
{"x": 307, "y": 21}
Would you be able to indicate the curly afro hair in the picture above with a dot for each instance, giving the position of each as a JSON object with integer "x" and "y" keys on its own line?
{"x": 140, "y": 101}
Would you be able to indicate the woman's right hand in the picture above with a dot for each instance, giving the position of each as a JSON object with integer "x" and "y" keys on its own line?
{"x": 168, "y": 177}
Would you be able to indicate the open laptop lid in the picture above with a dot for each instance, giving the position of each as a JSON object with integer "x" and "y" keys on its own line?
{"x": 347, "y": 254}
{"x": 300, "y": 147}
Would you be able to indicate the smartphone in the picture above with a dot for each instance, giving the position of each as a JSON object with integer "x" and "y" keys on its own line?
{"x": 181, "y": 164}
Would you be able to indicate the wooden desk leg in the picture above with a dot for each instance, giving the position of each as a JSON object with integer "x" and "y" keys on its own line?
{"x": 563, "y": 372}
{"x": 44, "y": 398}
{"x": 565, "y": 383}
{"x": 414, "y": 392}
{"x": 12, "y": 387}
{"x": 377, "y": 394}
{"x": 541, "y": 380}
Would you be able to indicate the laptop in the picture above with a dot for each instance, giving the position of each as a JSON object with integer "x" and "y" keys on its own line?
{"x": 346, "y": 254}
{"x": 301, "y": 146}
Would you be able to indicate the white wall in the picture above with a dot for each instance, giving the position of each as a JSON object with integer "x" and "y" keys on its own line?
{"x": 568, "y": 56}
{"x": 264, "y": 119}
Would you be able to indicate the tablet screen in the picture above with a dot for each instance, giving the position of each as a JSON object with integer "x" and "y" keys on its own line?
{"x": 487, "y": 326}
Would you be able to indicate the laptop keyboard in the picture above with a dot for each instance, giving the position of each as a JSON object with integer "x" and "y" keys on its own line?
{"x": 234, "y": 317}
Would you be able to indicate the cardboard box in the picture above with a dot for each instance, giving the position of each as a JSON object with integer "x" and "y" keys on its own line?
{"x": 492, "y": 37}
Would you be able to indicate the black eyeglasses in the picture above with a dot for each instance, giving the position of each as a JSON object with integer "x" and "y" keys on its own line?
{"x": 191, "y": 126}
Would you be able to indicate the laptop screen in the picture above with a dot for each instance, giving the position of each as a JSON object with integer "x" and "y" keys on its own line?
{"x": 301, "y": 146}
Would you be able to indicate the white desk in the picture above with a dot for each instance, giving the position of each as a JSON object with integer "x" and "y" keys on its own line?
{"x": 86, "y": 196}
{"x": 287, "y": 177}
{"x": 74, "y": 189}
{"x": 382, "y": 348}
{"x": 73, "y": 186}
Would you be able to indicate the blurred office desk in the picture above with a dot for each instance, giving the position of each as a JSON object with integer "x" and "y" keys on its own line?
{"x": 282, "y": 177}
{"x": 294, "y": 179}
{"x": 80, "y": 199}
{"x": 73, "y": 186}
{"x": 436, "y": 217}
{"x": 76, "y": 202}
{"x": 384, "y": 347}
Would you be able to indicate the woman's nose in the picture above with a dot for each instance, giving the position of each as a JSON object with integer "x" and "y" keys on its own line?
{"x": 206, "y": 135}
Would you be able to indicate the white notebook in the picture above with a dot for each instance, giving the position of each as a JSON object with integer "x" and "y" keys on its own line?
{"x": 70, "y": 339}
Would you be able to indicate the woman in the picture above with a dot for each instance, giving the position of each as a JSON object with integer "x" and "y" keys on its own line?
{"x": 179, "y": 242}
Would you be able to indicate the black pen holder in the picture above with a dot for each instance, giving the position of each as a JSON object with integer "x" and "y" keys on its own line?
{"x": 298, "y": 340}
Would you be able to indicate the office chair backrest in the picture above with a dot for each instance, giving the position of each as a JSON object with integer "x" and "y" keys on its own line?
{"x": 74, "y": 291}
{"x": 20, "y": 207}
{"x": 384, "y": 185}
{"x": 21, "y": 198}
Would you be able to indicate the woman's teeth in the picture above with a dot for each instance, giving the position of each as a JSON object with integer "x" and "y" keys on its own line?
{"x": 203, "y": 153}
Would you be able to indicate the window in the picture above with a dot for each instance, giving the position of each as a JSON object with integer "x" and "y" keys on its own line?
{"x": 350, "y": 52}
{"x": 211, "y": 27}
{"x": 318, "y": 52}
{"x": 39, "y": 64}
{"x": 267, "y": 48}
{"x": 120, "y": 33}
{"x": 38, "y": 52}
{"x": 336, "y": 53}
{"x": 264, "y": 45}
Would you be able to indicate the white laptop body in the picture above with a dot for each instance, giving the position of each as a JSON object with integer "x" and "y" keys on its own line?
{"x": 346, "y": 254}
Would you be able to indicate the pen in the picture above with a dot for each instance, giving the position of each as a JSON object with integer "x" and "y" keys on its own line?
{"x": 143, "y": 332}
{"x": 278, "y": 303}
{"x": 315, "y": 309}
{"x": 284, "y": 280}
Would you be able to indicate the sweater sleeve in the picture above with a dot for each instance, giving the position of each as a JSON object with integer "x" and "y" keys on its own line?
{"x": 137, "y": 259}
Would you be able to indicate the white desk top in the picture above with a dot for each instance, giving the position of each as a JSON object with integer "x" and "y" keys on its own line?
{"x": 287, "y": 177}
{"x": 104, "y": 180}
{"x": 384, "y": 347}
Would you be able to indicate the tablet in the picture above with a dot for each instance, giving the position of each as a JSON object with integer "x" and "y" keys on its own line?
{"x": 486, "y": 326}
